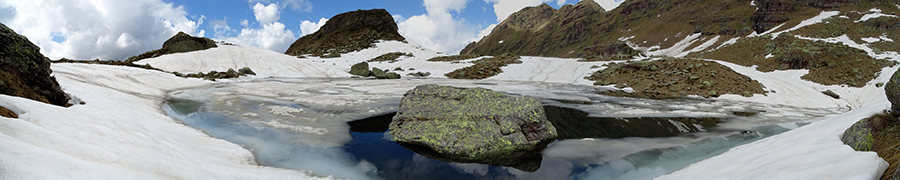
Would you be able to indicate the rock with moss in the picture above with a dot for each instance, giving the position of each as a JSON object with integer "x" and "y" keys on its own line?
{"x": 892, "y": 89}
{"x": 472, "y": 125}
{"x": 860, "y": 136}
{"x": 361, "y": 69}
{"x": 25, "y": 72}
{"x": 247, "y": 71}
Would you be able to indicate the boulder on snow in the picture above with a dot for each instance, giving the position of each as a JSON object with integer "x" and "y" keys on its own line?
{"x": 892, "y": 90}
{"x": 473, "y": 126}
{"x": 361, "y": 69}
{"x": 382, "y": 74}
{"x": 181, "y": 42}
{"x": 348, "y": 32}
{"x": 860, "y": 136}
{"x": 25, "y": 72}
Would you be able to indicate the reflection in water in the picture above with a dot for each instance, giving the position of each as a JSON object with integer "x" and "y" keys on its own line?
{"x": 284, "y": 126}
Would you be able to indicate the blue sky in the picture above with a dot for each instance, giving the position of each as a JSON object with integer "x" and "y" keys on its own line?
{"x": 117, "y": 29}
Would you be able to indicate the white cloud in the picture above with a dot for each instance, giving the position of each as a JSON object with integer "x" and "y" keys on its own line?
{"x": 266, "y": 14}
{"x": 438, "y": 29}
{"x": 444, "y": 5}
{"x": 104, "y": 29}
{"x": 307, "y": 27}
{"x": 221, "y": 28}
{"x": 245, "y": 23}
{"x": 271, "y": 34}
{"x": 503, "y": 8}
{"x": 297, "y": 5}
{"x": 609, "y": 4}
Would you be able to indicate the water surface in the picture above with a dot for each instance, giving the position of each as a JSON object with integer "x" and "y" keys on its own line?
{"x": 306, "y": 124}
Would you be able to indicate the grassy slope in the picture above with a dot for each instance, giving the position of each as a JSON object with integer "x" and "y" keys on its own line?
{"x": 829, "y": 63}
{"x": 675, "y": 78}
{"x": 651, "y": 22}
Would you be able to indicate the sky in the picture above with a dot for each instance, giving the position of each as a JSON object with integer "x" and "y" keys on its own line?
{"x": 118, "y": 29}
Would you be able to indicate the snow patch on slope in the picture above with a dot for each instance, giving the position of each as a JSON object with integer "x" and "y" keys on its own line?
{"x": 119, "y": 134}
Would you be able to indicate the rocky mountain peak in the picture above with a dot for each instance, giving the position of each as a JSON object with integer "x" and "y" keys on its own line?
{"x": 348, "y": 32}
{"x": 530, "y": 18}
{"x": 181, "y": 42}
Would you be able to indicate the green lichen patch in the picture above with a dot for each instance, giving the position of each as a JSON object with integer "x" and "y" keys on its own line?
{"x": 471, "y": 124}
{"x": 669, "y": 78}
{"x": 879, "y": 133}
{"x": 485, "y": 68}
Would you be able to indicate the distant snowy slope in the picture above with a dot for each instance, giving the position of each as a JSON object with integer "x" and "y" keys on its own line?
{"x": 119, "y": 134}
{"x": 264, "y": 62}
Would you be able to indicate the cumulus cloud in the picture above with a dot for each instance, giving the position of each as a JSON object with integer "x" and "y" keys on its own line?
{"x": 609, "y": 4}
{"x": 297, "y": 5}
{"x": 266, "y": 14}
{"x": 270, "y": 34}
{"x": 503, "y": 8}
{"x": 307, "y": 27}
{"x": 104, "y": 29}
{"x": 438, "y": 29}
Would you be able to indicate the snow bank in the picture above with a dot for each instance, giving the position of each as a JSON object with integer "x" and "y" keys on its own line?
{"x": 814, "y": 151}
{"x": 119, "y": 134}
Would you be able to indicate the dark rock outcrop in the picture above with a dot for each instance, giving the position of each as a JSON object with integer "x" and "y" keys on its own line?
{"x": 892, "y": 90}
{"x": 362, "y": 69}
{"x": 25, "y": 72}
{"x": 181, "y": 42}
{"x": 213, "y": 75}
{"x": 473, "y": 125}
{"x": 348, "y": 32}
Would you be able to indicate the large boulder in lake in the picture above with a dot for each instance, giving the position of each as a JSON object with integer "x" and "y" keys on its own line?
{"x": 473, "y": 126}
{"x": 181, "y": 42}
{"x": 348, "y": 32}
{"x": 892, "y": 89}
{"x": 25, "y": 72}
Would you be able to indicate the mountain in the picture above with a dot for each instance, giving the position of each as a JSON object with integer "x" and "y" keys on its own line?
{"x": 576, "y": 30}
{"x": 25, "y": 72}
{"x": 348, "y": 32}
{"x": 181, "y": 42}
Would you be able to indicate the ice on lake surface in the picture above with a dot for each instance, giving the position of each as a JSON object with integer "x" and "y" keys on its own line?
{"x": 303, "y": 124}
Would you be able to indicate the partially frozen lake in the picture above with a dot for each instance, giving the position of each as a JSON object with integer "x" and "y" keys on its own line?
{"x": 303, "y": 124}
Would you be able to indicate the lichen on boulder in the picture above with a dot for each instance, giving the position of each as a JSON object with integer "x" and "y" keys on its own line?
{"x": 859, "y": 136}
{"x": 473, "y": 125}
{"x": 362, "y": 69}
{"x": 892, "y": 90}
{"x": 25, "y": 72}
